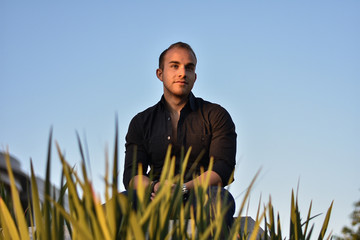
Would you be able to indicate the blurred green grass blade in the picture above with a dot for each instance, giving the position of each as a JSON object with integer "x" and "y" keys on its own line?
{"x": 54, "y": 213}
{"x": 308, "y": 219}
{"x": 83, "y": 160}
{"x": 205, "y": 184}
{"x": 219, "y": 215}
{"x": 39, "y": 221}
{"x": 193, "y": 166}
{"x": 115, "y": 163}
{"x": 164, "y": 174}
{"x": 110, "y": 203}
{"x": 114, "y": 215}
{"x": 279, "y": 227}
{"x": 293, "y": 225}
{"x": 140, "y": 191}
{"x": 7, "y": 223}
{"x": 247, "y": 194}
{"x": 111, "y": 208}
{"x": 256, "y": 229}
{"x": 31, "y": 218}
{"x": 207, "y": 231}
{"x": 102, "y": 219}
{"x": 310, "y": 232}
{"x": 184, "y": 164}
{"x": 19, "y": 211}
{"x": 89, "y": 196}
{"x": 298, "y": 219}
{"x": 76, "y": 204}
{"x": 271, "y": 219}
{"x": 82, "y": 231}
{"x": 46, "y": 204}
{"x": 326, "y": 222}
{"x": 60, "y": 218}
{"x": 136, "y": 227}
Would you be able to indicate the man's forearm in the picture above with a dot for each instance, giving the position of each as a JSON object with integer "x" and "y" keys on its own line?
{"x": 215, "y": 180}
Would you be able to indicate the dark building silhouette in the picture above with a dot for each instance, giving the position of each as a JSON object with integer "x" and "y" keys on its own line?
{"x": 23, "y": 182}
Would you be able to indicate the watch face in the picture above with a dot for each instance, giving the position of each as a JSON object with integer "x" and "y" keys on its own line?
{"x": 185, "y": 192}
{"x": 184, "y": 189}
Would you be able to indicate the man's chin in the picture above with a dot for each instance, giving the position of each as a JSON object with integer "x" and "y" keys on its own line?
{"x": 182, "y": 94}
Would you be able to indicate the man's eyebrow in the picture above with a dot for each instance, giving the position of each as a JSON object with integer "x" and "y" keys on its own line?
{"x": 189, "y": 64}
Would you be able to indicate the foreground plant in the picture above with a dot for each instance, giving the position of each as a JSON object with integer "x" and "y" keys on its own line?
{"x": 166, "y": 217}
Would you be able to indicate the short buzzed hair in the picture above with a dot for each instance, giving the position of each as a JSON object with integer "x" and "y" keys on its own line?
{"x": 175, "y": 45}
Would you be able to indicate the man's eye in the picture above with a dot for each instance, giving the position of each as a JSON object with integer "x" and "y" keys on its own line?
{"x": 175, "y": 66}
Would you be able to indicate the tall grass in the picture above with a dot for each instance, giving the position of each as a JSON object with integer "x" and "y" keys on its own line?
{"x": 165, "y": 217}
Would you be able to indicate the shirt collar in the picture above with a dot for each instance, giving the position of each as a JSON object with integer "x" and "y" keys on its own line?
{"x": 191, "y": 103}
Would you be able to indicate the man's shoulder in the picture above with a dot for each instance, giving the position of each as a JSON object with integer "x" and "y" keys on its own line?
{"x": 207, "y": 106}
{"x": 214, "y": 113}
{"x": 147, "y": 112}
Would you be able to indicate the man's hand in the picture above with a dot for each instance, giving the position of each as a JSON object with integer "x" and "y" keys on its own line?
{"x": 157, "y": 186}
{"x": 155, "y": 189}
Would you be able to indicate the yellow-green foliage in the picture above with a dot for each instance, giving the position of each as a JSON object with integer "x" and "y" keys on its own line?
{"x": 87, "y": 218}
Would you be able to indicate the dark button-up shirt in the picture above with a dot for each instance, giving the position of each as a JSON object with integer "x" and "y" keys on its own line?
{"x": 202, "y": 125}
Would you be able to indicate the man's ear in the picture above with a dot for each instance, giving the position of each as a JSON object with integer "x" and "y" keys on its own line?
{"x": 159, "y": 73}
{"x": 195, "y": 77}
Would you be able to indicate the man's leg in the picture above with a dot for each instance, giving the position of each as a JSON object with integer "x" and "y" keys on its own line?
{"x": 227, "y": 203}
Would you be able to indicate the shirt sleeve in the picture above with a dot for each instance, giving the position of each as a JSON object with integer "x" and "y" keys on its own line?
{"x": 135, "y": 152}
{"x": 223, "y": 144}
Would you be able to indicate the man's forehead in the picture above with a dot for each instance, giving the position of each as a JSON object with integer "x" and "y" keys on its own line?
{"x": 176, "y": 54}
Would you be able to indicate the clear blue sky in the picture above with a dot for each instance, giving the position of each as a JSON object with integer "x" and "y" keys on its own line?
{"x": 287, "y": 71}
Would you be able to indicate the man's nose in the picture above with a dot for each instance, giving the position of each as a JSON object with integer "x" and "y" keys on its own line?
{"x": 182, "y": 72}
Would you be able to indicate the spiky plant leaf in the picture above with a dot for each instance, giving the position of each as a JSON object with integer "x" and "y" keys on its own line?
{"x": 80, "y": 229}
{"x": 7, "y": 223}
{"x": 19, "y": 212}
{"x": 39, "y": 220}
{"x": 307, "y": 220}
{"x": 255, "y": 232}
{"x": 326, "y": 222}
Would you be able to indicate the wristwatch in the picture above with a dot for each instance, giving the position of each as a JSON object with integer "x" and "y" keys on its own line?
{"x": 184, "y": 189}
{"x": 185, "y": 192}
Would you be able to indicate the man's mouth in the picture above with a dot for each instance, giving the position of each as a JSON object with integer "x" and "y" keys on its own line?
{"x": 181, "y": 82}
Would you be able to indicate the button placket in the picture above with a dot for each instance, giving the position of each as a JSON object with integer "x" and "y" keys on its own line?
{"x": 169, "y": 127}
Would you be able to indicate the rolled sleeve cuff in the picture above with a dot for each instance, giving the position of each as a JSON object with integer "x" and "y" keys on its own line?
{"x": 224, "y": 171}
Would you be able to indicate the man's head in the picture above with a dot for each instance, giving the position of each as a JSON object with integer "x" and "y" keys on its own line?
{"x": 176, "y": 70}
{"x": 175, "y": 45}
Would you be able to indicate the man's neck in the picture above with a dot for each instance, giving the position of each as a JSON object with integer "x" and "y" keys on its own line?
{"x": 175, "y": 104}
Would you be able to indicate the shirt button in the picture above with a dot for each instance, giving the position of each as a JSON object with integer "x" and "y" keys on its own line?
{"x": 168, "y": 137}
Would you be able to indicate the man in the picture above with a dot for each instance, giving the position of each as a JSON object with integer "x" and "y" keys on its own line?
{"x": 184, "y": 121}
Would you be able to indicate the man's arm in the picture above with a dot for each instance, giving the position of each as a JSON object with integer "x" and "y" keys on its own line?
{"x": 134, "y": 182}
{"x": 135, "y": 153}
{"x": 215, "y": 180}
{"x": 223, "y": 144}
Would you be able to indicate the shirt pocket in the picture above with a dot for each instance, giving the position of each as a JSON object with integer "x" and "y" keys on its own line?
{"x": 198, "y": 142}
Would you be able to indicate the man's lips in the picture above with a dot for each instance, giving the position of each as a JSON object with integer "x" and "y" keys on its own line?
{"x": 181, "y": 82}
